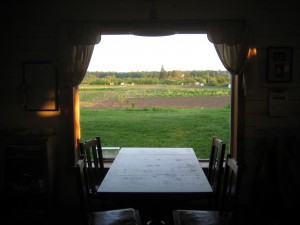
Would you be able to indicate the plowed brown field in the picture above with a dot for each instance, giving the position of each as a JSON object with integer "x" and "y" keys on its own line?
{"x": 170, "y": 102}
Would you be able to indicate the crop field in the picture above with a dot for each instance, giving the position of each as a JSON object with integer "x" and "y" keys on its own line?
{"x": 156, "y": 116}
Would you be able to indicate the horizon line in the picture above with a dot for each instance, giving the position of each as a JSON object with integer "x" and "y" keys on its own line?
{"x": 111, "y": 71}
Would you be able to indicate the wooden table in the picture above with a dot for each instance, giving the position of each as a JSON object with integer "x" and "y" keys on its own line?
{"x": 155, "y": 177}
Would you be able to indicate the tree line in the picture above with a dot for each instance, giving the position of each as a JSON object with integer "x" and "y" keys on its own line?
{"x": 162, "y": 77}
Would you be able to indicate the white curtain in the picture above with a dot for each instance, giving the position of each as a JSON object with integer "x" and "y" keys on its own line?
{"x": 233, "y": 42}
{"x": 76, "y": 45}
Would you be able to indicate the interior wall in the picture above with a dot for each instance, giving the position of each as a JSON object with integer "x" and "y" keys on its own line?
{"x": 29, "y": 34}
{"x": 270, "y": 152}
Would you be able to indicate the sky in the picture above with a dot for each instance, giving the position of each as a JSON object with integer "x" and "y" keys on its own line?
{"x": 129, "y": 53}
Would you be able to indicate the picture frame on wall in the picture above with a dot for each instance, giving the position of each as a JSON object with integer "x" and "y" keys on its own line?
{"x": 40, "y": 81}
{"x": 279, "y": 64}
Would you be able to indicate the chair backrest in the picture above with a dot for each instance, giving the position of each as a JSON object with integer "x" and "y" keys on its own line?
{"x": 230, "y": 189}
{"x": 92, "y": 150}
{"x": 216, "y": 165}
{"x": 81, "y": 174}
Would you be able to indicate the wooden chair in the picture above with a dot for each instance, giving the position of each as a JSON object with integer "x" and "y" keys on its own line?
{"x": 110, "y": 217}
{"x": 92, "y": 150}
{"x": 216, "y": 167}
{"x": 228, "y": 200}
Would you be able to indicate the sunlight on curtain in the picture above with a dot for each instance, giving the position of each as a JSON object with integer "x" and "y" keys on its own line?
{"x": 75, "y": 49}
{"x": 233, "y": 42}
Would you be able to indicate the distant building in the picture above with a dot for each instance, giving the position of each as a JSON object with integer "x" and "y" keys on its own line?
{"x": 199, "y": 84}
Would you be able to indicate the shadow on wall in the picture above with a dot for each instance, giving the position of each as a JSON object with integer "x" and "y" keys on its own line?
{"x": 276, "y": 187}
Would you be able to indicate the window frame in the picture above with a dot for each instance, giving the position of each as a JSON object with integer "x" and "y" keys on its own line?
{"x": 236, "y": 115}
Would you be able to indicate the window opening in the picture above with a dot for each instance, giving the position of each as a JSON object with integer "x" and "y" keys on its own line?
{"x": 168, "y": 91}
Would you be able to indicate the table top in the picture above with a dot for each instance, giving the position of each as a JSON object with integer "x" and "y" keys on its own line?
{"x": 155, "y": 171}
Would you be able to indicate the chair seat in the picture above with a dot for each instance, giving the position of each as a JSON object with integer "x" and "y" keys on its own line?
{"x": 116, "y": 217}
{"x": 192, "y": 217}
{"x": 225, "y": 215}
{"x": 126, "y": 216}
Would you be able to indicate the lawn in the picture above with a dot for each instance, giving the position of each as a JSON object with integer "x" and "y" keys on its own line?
{"x": 157, "y": 127}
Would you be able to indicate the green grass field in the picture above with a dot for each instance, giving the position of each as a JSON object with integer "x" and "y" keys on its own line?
{"x": 156, "y": 127}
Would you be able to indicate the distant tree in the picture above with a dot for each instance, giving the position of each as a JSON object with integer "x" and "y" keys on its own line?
{"x": 212, "y": 81}
{"x": 175, "y": 73}
{"x": 175, "y": 77}
{"x": 163, "y": 73}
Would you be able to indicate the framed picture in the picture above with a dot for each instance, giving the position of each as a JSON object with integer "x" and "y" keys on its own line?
{"x": 40, "y": 80}
{"x": 279, "y": 64}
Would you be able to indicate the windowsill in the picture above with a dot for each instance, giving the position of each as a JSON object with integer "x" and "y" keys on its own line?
{"x": 204, "y": 163}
